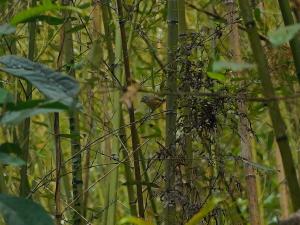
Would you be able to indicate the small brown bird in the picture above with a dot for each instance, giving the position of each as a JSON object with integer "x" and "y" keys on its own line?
{"x": 153, "y": 102}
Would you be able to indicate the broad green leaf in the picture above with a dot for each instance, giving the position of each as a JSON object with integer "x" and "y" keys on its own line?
{"x": 219, "y": 66}
{"x": 54, "y": 85}
{"x": 5, "y": 97}
{"x": 283, "y": 34}
{"x": 133, "y": 220}
{"x": 216, "y": 76}
{"x": 27, "y": 14}
{"x": 21, "y": 111}
{"x": 51, "y": 20}
{"x": 19, "y": 211}
{"x": 9, "y": 154}
{"x": 2, "y": 2}
{"x": 23, "y": 16}
{"x": 7, "y": 29}
{"x": 207, "y": 208}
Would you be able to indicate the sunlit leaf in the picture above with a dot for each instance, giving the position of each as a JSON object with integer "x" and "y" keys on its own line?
{"x": 216, "y": 76}
{"x": 21, "y": 111}
{"x": 219, "y": 66}
{"x": 51, "y": 20}
{"x": 207, "y": 208}
{"x": 54, "y": 85}
{"x": 25, "y": 15}
{"x": 284, "y": 34}
{"x": 9, "y": 154}
{"x": 134, "y": 220}
{"x": 2, "y": 2}
{"x": 19, "y": 211}
{"x": 6, "y": 29}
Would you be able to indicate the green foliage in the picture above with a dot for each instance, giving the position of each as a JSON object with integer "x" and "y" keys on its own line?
{"x": 233, "y": 66}
{"x": 17, "y": 113}
{"x": 216, "y": 76}
{"x": 209, "y": 206}
{"x": 19, "y": 211}
{"x": 33, "y": 12}
{"x": 51, "y": 20}
{"x": 133, "y": 220}
{"x": 52, "y": 84}
{"x": 9, "y": 155}
{"x": 284, "y": 34}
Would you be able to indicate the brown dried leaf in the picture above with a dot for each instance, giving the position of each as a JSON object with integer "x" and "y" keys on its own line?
{"x": 131, "y": 93}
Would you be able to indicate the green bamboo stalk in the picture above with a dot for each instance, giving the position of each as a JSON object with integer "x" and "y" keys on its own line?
{"x": 122, "y": 133}
{"x": 117, "y": 71}
{"x": 182, "y": 31}
{"x": 68, "y": 51}
{"x": 108, "y": 39}
{"x": 274, "y": 112}
{"x": 24, "y": 142}
{"x": 288, "y": 19}
{"x": 127, "y": 167}
{"x": 58, "y": 214}
{"x": 171, "y": 101}
{"x": 133, "y": 129}
{"x": 136, "y": 3}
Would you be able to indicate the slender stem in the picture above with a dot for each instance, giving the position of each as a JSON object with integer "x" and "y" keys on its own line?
{"x": 58, "y": 162}
{"x": 128, "y": 173}
{"x": 133, "y": 129}
{"x": 24, "y": 186}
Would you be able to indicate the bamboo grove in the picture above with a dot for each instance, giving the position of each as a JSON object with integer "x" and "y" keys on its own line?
{"x": 149, "y": 112}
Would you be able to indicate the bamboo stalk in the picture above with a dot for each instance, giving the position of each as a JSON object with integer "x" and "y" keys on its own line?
{"x": 86, "y": 178}
{"x": 171, "y": 105}
{"x": 283, "y": 191}
{"x": 68, "y": 51}
{"x": 24, "y": 185}
{"x": 127, "y": 167}
{"x": 133, "y": 129}
{"x": 58, "y": 212}
{"x": 274, "y": 112}
{"x": 116, "y": 119}
{"x": 288, "y": 19}
{"x": 244, "y": 126}
{"x": 182, "y": 31}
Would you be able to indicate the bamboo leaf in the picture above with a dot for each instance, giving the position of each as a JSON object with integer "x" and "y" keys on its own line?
{"x": 19, "y": 211}
{"x": 203, "y": 212}
{"x": 21, "y": 111}
{"x": 54, "y": 85}
{"x": 284, "y": 34}
{"x": 30, "y": 13}
{"x": 216, "y": 76}
{"x": 233, "y": 66}
{"x": 9, "y": 154}
{"x": 134, "y": 220}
